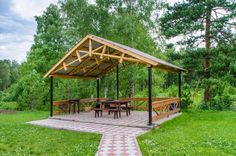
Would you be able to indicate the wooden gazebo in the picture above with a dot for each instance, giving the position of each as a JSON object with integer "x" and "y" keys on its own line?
{"x": 93, "y": 56}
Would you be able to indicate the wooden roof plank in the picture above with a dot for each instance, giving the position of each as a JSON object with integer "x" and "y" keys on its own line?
{"x": 125, "y": 54}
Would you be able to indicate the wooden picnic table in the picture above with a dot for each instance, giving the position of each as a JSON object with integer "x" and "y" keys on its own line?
{"x": 74, "y": 102}
{"x": 64, "y": 105}
{"x": 117, "y": 103}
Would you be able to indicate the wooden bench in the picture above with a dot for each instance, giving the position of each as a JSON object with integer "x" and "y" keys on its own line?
{"x": 97, "y": 111}
{"x": 115, "y": 111}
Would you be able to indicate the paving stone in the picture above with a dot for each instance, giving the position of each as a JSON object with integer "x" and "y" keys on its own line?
{"x": 116, "y": 140}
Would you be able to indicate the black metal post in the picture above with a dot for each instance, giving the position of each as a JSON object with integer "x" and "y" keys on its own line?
{"x": 149, "y": 96}
{"x": 98, "y": 89}
{"x": 180, "y": 85}
{"x": 117, "y": 82}
{"x": 51, "y": 96}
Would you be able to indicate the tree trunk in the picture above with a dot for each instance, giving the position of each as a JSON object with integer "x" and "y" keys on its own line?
{"x": 207, "y": 59}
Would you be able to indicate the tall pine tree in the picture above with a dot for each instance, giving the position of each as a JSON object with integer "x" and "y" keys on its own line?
{"x": 201, "y": 21}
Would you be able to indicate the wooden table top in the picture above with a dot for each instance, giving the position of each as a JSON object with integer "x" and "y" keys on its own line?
{"x": 115, "y": 102}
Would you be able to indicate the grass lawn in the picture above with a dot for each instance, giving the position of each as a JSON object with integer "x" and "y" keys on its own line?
{"x": 193, "y": 133}
{"x": 19, "y": 138}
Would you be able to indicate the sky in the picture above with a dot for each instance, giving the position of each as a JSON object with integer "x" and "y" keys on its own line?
{"x": 18, "y": 26}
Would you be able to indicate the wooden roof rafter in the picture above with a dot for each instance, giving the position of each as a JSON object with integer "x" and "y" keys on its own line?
{"x": 93, "y": 54}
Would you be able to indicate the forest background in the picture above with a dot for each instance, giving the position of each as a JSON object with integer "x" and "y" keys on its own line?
{"x": 206, "y": 49}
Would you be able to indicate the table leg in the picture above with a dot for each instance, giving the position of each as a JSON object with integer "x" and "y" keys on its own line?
{"x": 78, "y": 107}
{"x": 126, "y": 105}
{"x": 69, "y": 107}
{"x": 74, "y": 104}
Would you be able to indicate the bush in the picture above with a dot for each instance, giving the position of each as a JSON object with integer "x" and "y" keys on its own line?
{"x": 172, "y": 91}
{"x": 9, "y": 105}
{"x": 186, "y": 96}
{"x": 221, "y": 96}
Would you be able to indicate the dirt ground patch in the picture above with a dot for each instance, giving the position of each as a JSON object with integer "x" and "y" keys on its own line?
{"x": 2, "y": 111}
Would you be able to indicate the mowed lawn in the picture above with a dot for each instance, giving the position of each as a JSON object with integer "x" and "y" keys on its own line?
{"x": 19, "y": 138}
{"x": 193, "y": 133}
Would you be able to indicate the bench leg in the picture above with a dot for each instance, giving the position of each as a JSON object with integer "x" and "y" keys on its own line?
{"x": 78, "y": 107}
{"x": 96, "y": 114}
{"x": 114, "y": 115}
{"x": 74, "y": 108}
{"x": 69, "y": 107}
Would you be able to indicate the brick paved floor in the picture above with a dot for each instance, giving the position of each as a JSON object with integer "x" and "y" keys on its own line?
{"x": 136, "y": 119}
{"x": 116, "y": 140}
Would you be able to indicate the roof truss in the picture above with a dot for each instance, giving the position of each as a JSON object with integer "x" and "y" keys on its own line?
{"x": 93, "y": 57}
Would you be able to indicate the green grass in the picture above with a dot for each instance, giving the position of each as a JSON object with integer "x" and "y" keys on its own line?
{"x": 19, "y": 138}
{"x": 193, "y": 133}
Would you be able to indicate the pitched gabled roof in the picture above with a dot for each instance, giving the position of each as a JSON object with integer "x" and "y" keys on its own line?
{"x": 93, "y": 56}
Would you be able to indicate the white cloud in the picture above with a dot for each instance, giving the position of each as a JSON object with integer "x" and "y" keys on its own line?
{"x": 27, "y": 9}
{"x": 14, "y": 48}
{"x": 17, "y": 27}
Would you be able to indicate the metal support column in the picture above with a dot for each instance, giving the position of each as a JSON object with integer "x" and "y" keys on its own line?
{"x": 180, "y": 85}
{"x": 149, "y": 96}
{"x": 117, "y": 82}
{"x": 51, "y": 96}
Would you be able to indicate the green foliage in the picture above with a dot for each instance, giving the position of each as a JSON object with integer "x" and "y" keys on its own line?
{"x": 186, "y": 98}
{"x": 222, "y": 96}
{"x": 188, "y": 18}
{"x": 61, "y": 26}
{"x": 19, "y": 138}
{"x": 209, "y": 22}
{"x": 135, "y": 24}
{"x": 193, "y": 133}
{"x": 172, "y": 91}
{"x": 8, "y": 73}
{"x": 32, "y": 91}
{"x": 221, "y": 70}
{"x": 9, "y": 105}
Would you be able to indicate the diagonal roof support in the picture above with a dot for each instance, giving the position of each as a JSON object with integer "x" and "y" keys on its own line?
{"x": 89, "y": 54}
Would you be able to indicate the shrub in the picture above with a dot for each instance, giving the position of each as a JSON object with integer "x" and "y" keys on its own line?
{"x": 186, "y": 96}
{"x": 221, "y": 96}
{"x": 9, "y": 105}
